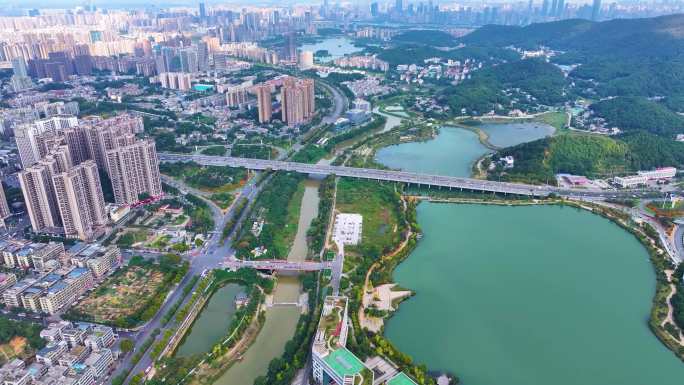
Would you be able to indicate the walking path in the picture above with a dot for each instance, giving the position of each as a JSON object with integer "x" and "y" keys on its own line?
{"x": 670, "y": 308}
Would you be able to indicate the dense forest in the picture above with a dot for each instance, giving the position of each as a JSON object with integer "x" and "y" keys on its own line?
{"x": 405, "y": 53}
{"x": 638, "y": 113}
{"x": 31, "y": 331}
{"x": 591, "y": 155}
{"x": 626, "y": 57}
{"x": 485, "y": 90}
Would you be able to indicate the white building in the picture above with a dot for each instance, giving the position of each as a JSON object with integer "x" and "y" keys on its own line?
{"x": 630, "y": 180}
{"x": 659, "y": 173}
{"x": 348, "y": 229}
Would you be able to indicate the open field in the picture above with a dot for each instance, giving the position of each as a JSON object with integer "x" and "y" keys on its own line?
{"x": 377, "y": 204}
{"x": 130, "y": 296}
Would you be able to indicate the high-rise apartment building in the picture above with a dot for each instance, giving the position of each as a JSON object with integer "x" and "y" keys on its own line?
{"x": 263, "y": 92}
{"x": 4, "y": 207}
{"x": 80, "y": 200}
{"x": 134, "y": 170}
{"x": 297, "y": 99}
{"x": 35, "y": 140}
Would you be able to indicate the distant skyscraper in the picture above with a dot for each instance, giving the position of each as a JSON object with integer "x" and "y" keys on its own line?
{"x": 561, "y": 8}
{"x": 263, "y": 92}
{"x": 399, "y": 6}
{"x": 202, "y": 11}
{"x": 188, "y": 60}
{"x": 306, "y": 60}
{"x": 374, "y": 9}
{"x": 596, "y": 10}
{"x": 291, "y": 46}
{"x": 554, "y": 8}
{"x": 4, "y": 207}
{"x": 19, "y": 66}
{"x": 545, "y": 8}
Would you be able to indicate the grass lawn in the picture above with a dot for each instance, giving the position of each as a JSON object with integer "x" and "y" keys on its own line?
{"x": 556, "y": 119}
{"x": 131, "y": 237}
{"x": 160, "y": 242}
{"x": 206, "y": 178}
{"x": 222, "y": 199}
{"x": 283, "y": 239}
{"x": 376, "y": 202}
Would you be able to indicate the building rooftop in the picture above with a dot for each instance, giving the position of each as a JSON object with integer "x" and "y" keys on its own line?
{"x": 344, "y": 363}
{"x": 330, "y": 334}
{"x": 401, "y": 379}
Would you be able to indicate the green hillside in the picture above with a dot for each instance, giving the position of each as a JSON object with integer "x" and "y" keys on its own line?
{"x": 630, "y": 57}
{"x": 481, "y": 93}
{"x": 590, "y": 155}
{"x": 638, "y": 113}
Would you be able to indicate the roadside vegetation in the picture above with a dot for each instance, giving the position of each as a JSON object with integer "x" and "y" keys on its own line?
{"x": 206, "y": 178}
{"x": 278, "y": 206}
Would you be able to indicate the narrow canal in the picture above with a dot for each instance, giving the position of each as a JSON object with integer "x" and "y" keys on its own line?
{"x": 280, "y": 320}
{"x": 212, "y": 323}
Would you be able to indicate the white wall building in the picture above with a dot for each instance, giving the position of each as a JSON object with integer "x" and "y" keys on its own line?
{"x": 348, "y": 229}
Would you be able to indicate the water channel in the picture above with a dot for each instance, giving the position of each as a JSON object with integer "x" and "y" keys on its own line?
{"x": 212, "y": 323}
{"x": 280, "y": 320}
{"x": 530, "y": 295}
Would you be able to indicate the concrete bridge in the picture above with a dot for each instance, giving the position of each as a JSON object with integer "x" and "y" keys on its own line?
{"x": 392, "y": 176}
{"x": 278, "y": 265}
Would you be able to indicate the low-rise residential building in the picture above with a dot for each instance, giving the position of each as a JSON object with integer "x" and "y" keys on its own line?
{"x": 68, "y": 358}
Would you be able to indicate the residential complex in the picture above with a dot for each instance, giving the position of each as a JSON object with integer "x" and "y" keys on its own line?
{"x": 297, "y": 99}
{"x": 76, "y": 354}
{"x": 61, "y": 182}
{"x": 56, "y": 277}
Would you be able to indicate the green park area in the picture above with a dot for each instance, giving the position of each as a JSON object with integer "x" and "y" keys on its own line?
{"x": 378, "y": 204}
{"x": 207, "y": 178}
{"x": 278, "y": 206}
{"x": 18, "y": 339}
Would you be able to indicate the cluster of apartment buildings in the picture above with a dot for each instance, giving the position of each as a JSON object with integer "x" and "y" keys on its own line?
{"x": 366, "y": 62}
{"x": 62, "y": 158}
{"x": 333, "y": 363}
{"x": 76, "y": 354}
{"x": 175, "y": 80}
{"x": 54, "y": 278}
{"x": 643, "y": 177}
{"x": 297, "y": 100}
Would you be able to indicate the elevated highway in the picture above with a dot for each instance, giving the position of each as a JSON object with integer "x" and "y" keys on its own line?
{"x": 395, "y": 176}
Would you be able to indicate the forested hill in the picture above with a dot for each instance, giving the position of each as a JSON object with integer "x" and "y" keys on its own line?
{"x": 650, "y": 36}
{"x": 622, "y": 57}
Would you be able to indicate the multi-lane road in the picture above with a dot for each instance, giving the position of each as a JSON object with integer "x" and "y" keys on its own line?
{"x": 398, "y": 176}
